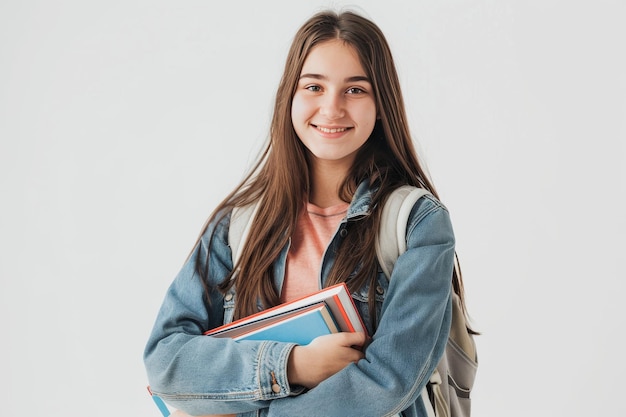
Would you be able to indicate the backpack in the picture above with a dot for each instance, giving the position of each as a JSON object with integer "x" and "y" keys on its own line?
{"x": 443, "y": 397}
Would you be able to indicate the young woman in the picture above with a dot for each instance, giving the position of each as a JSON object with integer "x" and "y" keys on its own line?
{"x": 339, "y": 144}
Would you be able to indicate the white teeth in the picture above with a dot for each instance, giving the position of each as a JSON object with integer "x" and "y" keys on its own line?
{"x": 326, "y": 130}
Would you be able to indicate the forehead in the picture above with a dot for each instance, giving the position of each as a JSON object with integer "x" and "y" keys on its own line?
{"x": 333, "y": 57}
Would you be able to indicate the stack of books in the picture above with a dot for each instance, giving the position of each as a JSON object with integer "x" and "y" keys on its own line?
{"x": 327, "y": 311}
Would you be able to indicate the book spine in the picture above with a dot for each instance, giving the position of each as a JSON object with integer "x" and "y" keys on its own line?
{"x": 344, "y": 314}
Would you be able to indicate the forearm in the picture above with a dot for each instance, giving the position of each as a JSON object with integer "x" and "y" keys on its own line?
{"x": 205, "y": 375}
{"x": 375, "y": 385}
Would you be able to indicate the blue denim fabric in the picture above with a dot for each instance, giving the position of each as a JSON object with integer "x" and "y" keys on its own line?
{"x": 206, "y": 375}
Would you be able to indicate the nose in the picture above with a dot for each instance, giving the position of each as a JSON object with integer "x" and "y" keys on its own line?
{"x": 332, "y": 107}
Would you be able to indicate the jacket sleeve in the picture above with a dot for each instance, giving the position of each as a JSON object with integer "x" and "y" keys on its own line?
{"x": 411, "y": 336}
{"x": 205, "y": 375}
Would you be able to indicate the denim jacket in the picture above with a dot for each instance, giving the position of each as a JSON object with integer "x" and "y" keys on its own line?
{"x": 206, "y": 375}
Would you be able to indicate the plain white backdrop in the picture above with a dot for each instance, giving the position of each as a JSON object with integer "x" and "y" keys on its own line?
{"x": 123, "y": 123}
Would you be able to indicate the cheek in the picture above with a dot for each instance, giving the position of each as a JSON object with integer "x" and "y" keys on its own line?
{"x": 369, "y": 115}
{"x": 298, "y": 109}
{"x": 299, "y": 116}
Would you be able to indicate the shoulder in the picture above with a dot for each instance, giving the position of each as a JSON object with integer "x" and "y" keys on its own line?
{"x": 426, "y": 205}
{"x": 212, "y": 254}
{"x": 412, "y": 203}
{"x": 430, "y": 217}
{"x": 216, "y": 229}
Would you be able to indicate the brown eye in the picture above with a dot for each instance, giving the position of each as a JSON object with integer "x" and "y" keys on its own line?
{"x": 355, "y": 90}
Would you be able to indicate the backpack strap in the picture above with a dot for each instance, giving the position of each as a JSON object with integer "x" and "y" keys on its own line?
{"x": 240, "y": 224}
{"x": 391, "y": 241}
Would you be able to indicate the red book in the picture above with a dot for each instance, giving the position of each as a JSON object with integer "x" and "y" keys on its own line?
{"x": 336, "y": 298}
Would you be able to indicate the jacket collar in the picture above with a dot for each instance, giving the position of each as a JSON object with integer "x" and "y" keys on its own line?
{"x": 361, "y": 201}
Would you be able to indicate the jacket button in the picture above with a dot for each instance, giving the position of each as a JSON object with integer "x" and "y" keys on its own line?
{"x": 228, "y": 296}
{"x": 276, "y": 388}
{"x": 379, "y": 290}
{"x": 343, "y": 233}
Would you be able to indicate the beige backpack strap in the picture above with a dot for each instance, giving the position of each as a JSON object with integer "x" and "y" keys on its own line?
{"x": 239, "y": 228}
{"x": 391, "y": 241}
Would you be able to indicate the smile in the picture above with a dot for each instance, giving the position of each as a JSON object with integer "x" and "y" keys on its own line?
{"x": 333, "y": 130}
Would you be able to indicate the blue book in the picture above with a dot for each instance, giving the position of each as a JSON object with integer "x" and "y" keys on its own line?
{"x": 300, "y": 326}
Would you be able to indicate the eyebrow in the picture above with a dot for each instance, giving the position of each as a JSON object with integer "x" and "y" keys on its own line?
{"x": 352, "y": 79}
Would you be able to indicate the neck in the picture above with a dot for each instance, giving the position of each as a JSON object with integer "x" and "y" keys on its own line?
{"x": 326, "y": 178}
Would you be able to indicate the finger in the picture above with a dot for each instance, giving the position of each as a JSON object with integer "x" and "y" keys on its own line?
{"x": 353, "y": 338}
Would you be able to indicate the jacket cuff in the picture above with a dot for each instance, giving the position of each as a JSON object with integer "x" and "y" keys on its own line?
{"x": 273, "y": 382}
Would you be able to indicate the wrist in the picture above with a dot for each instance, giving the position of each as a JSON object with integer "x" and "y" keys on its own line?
{"x": 293, "y": 374}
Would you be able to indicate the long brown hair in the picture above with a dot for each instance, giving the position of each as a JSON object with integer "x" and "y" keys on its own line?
{"x": 280, "y": 178}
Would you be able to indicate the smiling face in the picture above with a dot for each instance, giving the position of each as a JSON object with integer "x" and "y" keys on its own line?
{"x": 333, "y": 110}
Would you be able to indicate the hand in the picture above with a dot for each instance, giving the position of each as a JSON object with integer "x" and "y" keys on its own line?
{"x": 323, "y": 357}
{"x": 179, "y": 413}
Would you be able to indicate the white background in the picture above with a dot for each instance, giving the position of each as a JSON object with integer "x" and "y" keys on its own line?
{"x": 123, "y": 123}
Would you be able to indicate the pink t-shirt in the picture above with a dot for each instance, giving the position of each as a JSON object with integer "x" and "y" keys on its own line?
{"x": 314, "y": 230}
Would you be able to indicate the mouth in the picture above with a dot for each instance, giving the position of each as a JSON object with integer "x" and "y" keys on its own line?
{"x": 331, "y": 129}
